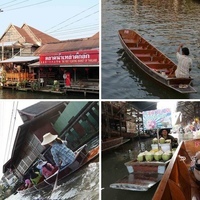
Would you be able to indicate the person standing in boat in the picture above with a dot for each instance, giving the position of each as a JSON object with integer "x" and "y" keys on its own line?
{"x": 46, "y": 169}
{"x": 184, "y": 65}
{"x": 62, "y": 155}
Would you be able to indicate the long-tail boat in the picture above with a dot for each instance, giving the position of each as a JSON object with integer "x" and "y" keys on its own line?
{"x": 83, "y": 156}
{"x": 179, "y": 182}
{"x": 142, "y": 175}
{"x": 153, "y": 62}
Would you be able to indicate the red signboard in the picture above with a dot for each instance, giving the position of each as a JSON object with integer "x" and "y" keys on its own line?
{"x": 71, "y": 57}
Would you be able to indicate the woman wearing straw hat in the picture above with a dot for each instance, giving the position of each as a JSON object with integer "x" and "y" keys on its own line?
{"x": 62, "y": 155}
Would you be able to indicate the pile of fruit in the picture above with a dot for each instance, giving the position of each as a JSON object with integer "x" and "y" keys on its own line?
{"x": 154, "y": 154}
{"x": 161, "y": 141}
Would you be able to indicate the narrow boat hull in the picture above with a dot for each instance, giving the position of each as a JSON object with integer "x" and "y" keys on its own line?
{"x": 113, "y": 143}
{"x": 82, "y": 157}
{"x": 153, "y": 62}
{"x": 138, "y": 181}
{"x": 179, "y": 182}
{"x": 142, "y": 175}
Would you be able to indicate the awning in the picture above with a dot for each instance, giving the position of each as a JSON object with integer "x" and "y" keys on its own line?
{"x": 10, "y": 44}
{"x": 38, "y": 64}
{"x": 18, "y": 59}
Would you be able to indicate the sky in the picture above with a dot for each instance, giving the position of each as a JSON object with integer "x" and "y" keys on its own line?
{"x": 9, "y": 122}
{"x": 62, "y": 19}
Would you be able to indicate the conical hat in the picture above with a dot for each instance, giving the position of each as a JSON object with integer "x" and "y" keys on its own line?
{"x": 48, "y": 138}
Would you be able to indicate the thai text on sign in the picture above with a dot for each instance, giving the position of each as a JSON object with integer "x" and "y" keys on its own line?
{"x": 71, "y": 57}
{"x": 157, "y": 119}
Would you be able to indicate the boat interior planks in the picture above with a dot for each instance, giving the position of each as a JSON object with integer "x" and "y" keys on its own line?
{"x": 179, "y": 182}
{"x": 83, "y": 156}
{"x": 153, "y": 62}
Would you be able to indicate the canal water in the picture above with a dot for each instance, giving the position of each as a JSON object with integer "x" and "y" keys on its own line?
{"x": 13, "y": 94}
{"x": 84, "y": 185}
{"x": 165, "y": 24}
{"x": 113, "y": 168}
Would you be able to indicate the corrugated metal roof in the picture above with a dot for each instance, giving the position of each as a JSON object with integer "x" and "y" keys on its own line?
{"x": 70, "y": 45}
{"x": 40, "y": 35}
{"x": 39, "y": 108}
{"x": 17, "y": 59}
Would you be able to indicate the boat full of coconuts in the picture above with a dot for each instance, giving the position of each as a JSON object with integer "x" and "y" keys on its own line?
{"x": 148, "y": 168}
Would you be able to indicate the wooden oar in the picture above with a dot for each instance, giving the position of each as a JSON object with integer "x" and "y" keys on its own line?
{"x": 55, "y": 184}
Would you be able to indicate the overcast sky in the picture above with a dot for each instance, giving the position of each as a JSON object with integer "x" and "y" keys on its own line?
{"x": 62, "y": 19}
{"x": 9, "y": 122}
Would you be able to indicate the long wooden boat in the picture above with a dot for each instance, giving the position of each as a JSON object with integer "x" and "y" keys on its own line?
{"x": 179, "y": 182}
{"x": 83, "y": 156}
{"x": 153, "y": 62}
{"x": 112, "y": 143}
{"x": 142, "y": 175}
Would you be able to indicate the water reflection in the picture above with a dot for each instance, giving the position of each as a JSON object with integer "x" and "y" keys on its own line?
{"x": 165, "y": 24}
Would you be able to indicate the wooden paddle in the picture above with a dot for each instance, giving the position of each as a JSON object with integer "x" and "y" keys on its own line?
{"x": 55, "y": 184}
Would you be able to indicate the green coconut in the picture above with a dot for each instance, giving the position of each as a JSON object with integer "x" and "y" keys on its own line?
{"x": 166, "y": 156}
{"x": 158, "y": 155}
{"x": 162, "y": 140}
{"x": 140, "y": 157}
{"x": 168, "y": 141}
{"x": 155, "y": 141}
{"x": 149, "y": 156}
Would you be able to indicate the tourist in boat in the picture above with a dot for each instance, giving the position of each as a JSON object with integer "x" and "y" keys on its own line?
{"x": 46, "y": 169}
{"x": 62, "y": 155}
{"x": 27, "y": 183}
{"x": 35, "y": 176}
{"x": 184, "y": 62}
{"x": 165, "y": 134}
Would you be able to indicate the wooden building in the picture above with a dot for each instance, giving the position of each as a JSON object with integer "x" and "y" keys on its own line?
{"x": 77, "y": 122}
{"x": 122, "y": 120}
{"x": 17, "y": 46}
{"x": 34, "y": 59}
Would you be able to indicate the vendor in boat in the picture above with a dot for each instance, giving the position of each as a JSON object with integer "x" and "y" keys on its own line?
{"x": 46, "y": 169}
{"x": 184, "y": 62}
{"x": 62, "y": 155}
{"x": 165, "y": 134}
{"x": 35, "y": 176}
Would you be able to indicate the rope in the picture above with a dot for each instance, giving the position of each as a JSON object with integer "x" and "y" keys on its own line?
{"x": 182, "y": 158}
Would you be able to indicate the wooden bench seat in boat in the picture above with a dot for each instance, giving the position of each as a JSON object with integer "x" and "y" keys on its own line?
{"x": 156, "y": 66}
{"x": 143, "y": 51}
{"x": 177, "y": 81}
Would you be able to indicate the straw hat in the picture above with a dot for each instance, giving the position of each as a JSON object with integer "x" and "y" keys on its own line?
{"x": 41, "y": 163}
{"x": 48, "y": 138}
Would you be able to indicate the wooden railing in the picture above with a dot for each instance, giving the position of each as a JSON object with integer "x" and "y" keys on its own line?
{"x": 17, "y": 76}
